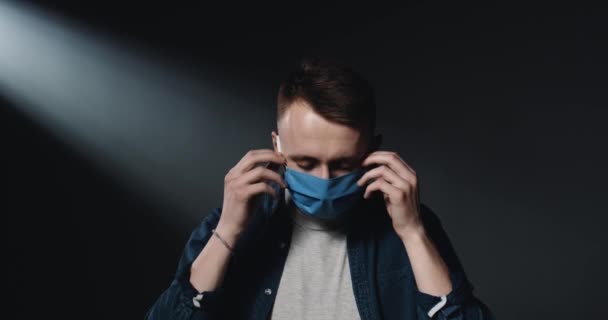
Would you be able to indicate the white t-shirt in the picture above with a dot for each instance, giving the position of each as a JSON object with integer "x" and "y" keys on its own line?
{"x": 316, "y": 281}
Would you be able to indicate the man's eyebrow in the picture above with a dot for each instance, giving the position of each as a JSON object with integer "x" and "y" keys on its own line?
{"x": 301, "y": 157}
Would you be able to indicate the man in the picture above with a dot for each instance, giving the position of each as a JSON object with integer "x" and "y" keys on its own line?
{"x": 326, "y": 226}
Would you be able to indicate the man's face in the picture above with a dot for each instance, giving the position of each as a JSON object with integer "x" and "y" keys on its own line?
{"x": 317, "y": 146}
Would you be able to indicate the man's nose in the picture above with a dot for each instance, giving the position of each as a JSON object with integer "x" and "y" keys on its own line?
{"x": 324, "y": 172}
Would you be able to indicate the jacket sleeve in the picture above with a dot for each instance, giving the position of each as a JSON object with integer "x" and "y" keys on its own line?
{"x": 460, "y": 303}
{"x": 178, "y": 301}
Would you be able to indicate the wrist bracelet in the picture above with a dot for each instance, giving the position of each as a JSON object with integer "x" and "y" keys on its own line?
{"x": 223, "y": 241}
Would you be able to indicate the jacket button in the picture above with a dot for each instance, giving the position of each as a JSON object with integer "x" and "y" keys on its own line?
{"x": 282, "y": 245}
{"x": 268, "y": 291}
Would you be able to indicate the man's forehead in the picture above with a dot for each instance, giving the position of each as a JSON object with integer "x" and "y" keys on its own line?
{"x": 305, "y": 133}
{"x": 328, "y": 147}
{"x": 300, "y": 121}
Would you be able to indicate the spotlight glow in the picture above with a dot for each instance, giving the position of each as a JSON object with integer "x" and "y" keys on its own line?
{"x": 144, "y": 120}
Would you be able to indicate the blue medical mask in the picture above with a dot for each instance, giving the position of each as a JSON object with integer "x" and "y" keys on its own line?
{"x": 324, "y": 198}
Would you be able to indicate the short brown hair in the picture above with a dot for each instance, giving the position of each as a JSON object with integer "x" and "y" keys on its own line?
{"x": 333, "y": 90}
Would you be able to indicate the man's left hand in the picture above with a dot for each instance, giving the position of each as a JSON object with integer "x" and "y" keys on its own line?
{"x": 399, "y": 185}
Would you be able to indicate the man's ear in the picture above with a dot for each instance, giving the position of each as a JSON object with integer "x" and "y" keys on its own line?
{"x": 274, "y": 136}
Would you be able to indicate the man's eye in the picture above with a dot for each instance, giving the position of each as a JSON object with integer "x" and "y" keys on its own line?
{"x": 306, "y": 166}
{"x": 345, "y": 166}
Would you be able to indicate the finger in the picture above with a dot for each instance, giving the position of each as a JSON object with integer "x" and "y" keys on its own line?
{"x": 254, "y": 157}
{"x": 393, "y": 161}
{"x": 260, "y": 174}
{"x": 259, "y": 188}
{"x": 384, "y": 187}
{"x": 387, "y": 174}
{"x": 391, "y": 153}
{"x": 394, "y": 154}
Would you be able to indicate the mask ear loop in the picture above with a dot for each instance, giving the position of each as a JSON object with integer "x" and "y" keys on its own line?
{"x": 279, "y": 150}
{"x": 278, "y": 203}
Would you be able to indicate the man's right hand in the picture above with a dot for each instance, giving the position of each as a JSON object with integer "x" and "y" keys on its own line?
{"x": 242, "y": 184}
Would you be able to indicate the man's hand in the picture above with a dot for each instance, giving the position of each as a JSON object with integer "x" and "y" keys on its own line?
{"x": 399, "y": 184}
{"x": 242, "y": 183}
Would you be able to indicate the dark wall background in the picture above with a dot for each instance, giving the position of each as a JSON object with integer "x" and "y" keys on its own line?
{"x": 501, "y": 110}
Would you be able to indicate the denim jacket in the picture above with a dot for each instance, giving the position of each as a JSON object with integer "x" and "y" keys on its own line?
{"x": 383, "y": 282}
